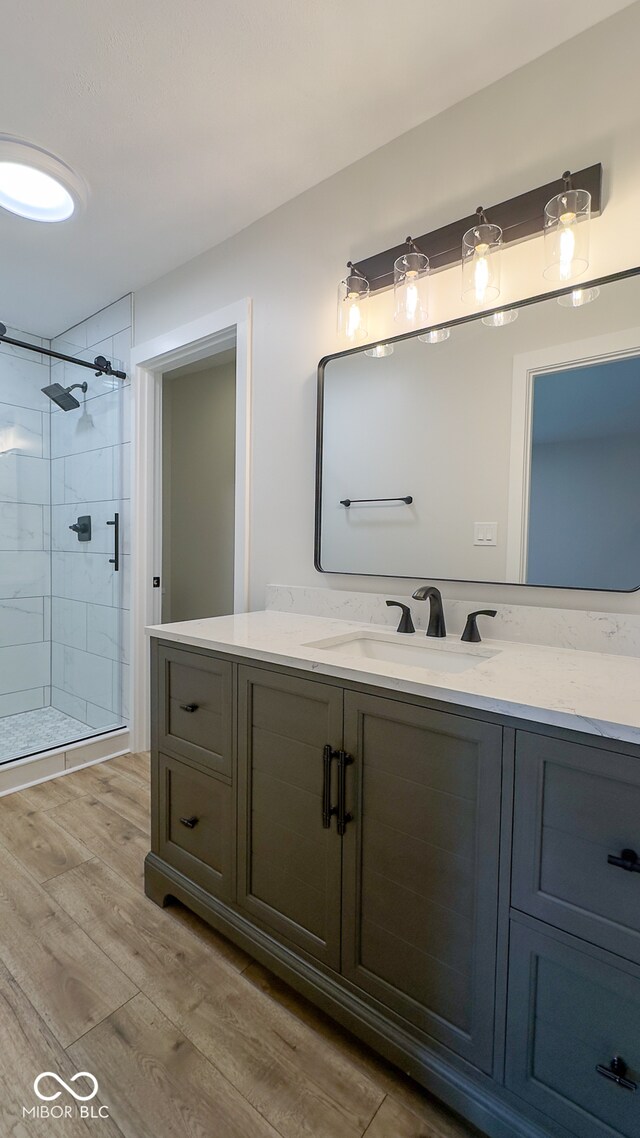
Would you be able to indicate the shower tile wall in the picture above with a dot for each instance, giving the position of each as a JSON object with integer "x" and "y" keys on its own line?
{"x": 90, "y": 475}
{"x": 25, "y": 670}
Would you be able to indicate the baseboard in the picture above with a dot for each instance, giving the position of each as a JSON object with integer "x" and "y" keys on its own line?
{"x": 35, "y": 769}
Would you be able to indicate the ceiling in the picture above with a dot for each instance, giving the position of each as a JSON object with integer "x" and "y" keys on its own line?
{"x": 189, "y": 120}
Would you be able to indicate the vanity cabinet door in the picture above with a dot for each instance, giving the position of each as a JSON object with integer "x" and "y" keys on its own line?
{"x": 288, "y": 863}
{"x": 577, "y": 809}
{"x": 573, "y": 1011}
{"x": 193, "y": 823}
{"x": 192, "y": 706}
{"x": 421, "y": 867}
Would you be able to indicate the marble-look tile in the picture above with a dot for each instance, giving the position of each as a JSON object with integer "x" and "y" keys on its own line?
{"x": 89, "y": 476}
{"x": 69, "y": 622}
{"x": 21, "y": 430}
{"x": 81, "y": 674}
{"x": 15, "y": 702}
{"x": 22, "y": 380}
{"x": 22, "y": 621}
{"x": 102, "y": 719}
{"x": 24, "y": 574}
{"x": 21, "y": 526}
{"x": 108, "y": 632}
{"x": 24, "y": 479}
{"x": 122, "y": 350}
{"x": 84, "y": 576}
{"x": 24, "y": 666}
{"x": 102, "y": 421}
{"x": 70, "y": 704}
{"x": 125, "y": 689}
{"x": 585, "y": 631}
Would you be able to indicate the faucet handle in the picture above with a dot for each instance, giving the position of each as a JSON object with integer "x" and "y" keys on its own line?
{"x": 471, "y": 634}
{"x": 406, "y": 622}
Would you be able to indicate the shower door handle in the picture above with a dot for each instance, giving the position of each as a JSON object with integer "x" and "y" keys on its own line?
{"x": 115, "y": 560}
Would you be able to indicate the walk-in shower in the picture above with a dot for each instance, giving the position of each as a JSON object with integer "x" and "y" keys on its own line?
{"x": 63, "y": 614}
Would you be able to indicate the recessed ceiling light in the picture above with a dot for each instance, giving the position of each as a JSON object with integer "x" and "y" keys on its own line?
{"x": 35, "y": 184}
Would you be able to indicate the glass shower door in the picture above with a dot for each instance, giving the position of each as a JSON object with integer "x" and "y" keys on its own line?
{"x": 89, "y": 550}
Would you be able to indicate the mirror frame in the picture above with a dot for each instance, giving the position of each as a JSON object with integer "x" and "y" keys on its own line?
{"x": 526, "y": 303}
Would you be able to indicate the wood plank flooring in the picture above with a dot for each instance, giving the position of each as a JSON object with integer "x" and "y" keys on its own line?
{"x": 187, "y": 1036}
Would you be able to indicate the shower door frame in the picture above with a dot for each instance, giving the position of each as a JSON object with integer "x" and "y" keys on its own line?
{"x": 186, "y": 344}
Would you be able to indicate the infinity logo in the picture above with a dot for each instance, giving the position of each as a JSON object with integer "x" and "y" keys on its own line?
{"x": 56, "y": 1094}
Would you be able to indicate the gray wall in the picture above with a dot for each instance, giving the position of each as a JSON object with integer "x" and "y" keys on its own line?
{"x": 198, "y": 414}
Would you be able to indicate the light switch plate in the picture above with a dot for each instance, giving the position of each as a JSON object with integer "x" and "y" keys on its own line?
{"x": 485, "y": 533}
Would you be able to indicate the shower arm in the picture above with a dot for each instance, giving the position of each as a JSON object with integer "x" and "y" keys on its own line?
{"x": 100, "y": 365}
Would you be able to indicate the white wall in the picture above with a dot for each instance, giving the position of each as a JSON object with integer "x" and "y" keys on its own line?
{"x": 573, "y": 107}
{"x": 198, "y": 464}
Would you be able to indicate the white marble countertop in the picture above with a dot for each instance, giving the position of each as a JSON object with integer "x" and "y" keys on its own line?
{"x": 586, "y": 691}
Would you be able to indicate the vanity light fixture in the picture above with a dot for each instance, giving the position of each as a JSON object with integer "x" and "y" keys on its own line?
{"x": 566, "y": 232}
{"x": 379, "y": 351}
{"x": 410, "y": 288}
{"x": 36, "y": 185}
{"x": 500, "y": 319}
{"x": 353, "y": 294}
{"x": 435, "y": 336}
{"x": 481, "y": 247}
{"x": 578, "y": 297}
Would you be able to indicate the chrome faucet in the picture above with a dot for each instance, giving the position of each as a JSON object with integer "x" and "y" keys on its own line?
{"x": 436, "y": 611}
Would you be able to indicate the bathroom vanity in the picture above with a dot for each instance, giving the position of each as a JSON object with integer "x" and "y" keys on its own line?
{"x": 438, "y": 851}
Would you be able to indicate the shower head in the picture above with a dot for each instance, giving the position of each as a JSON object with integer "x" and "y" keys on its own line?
{"x": 62, "y": 396}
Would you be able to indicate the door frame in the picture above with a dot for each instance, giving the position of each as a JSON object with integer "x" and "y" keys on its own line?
{"x": 185, "y": 344}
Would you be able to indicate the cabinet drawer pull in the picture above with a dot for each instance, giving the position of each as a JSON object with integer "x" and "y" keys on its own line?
{"x": 628, "y": 860}
{"x": 344, "y": 761}
{"x": 190, "y": 707}
{"x": 328, "y": 755}
{"x": 189, "y": 822}
{"x": 617, "y": 1072}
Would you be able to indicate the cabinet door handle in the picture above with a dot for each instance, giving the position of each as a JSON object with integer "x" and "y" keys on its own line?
{"x": 617, "y": 1072}
{"x": 328, "y": 755}
{"x": 628, "y": 860}
{"x": 189, "y": 822}
{"x": 190, "y": 707}
{"x": 344, "y": 761}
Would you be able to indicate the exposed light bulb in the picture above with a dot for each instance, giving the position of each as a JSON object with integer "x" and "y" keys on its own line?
{"x": 500, "y": 319}
{"x": 567, "y": 245}
{"x": 354, "y": 318}
{"x": 411, "y": 302}
{"x": 481, "y": 272}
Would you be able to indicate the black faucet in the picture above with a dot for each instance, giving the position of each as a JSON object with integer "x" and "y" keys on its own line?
{"x": 406, "y": 623}
{"x": 436, "y": 611}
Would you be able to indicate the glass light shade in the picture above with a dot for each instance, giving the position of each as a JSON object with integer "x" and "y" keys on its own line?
{"x": 379, "y": 351}
{"x": 500, "y": 319}
{"x": 578, "y": 296}
{"x": 353, "y": 294}
{"x": 481, "y": 247}
{"x": 435, "y": 336}
{"x": 566, "y": 235}
{"x": 410, "y": 290}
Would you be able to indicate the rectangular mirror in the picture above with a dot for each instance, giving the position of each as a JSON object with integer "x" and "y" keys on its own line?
{"x": 505, "y": 454}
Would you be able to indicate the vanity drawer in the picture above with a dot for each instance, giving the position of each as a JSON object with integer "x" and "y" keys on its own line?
{"x": 570, "y": 1014}
{"x": 195, "y": 707}
{"x": 575, "y": 807}
{"x": 195, "y": 824}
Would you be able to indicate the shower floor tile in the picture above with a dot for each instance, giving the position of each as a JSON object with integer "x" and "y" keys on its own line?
{"x": 32, "y": 731}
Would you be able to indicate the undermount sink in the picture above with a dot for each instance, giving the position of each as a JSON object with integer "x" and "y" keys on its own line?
{"x": 391, "y": 648}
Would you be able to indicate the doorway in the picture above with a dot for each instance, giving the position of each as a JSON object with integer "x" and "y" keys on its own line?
{"x": 198, "y": 488}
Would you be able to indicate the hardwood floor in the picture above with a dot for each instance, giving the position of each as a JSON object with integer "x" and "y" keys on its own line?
{"x": 187, "y": 1036}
